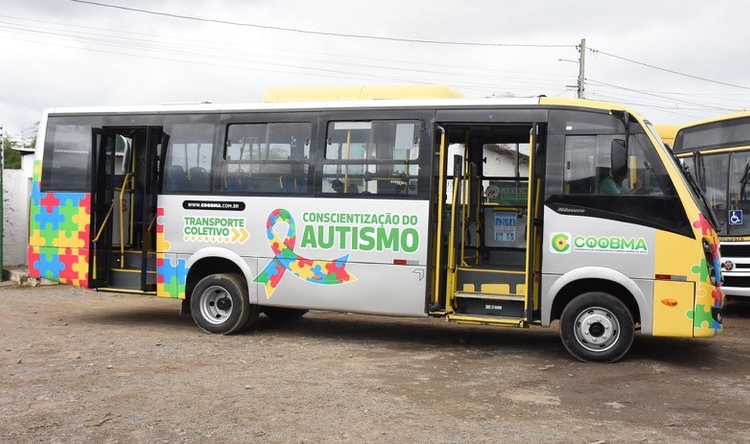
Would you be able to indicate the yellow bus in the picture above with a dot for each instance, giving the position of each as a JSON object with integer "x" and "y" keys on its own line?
{"x": 478, "y": 211}
{"x": 717, "y": 151}
{"x": 667, "y": 133}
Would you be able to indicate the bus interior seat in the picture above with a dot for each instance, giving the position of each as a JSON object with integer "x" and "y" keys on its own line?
{"x": 338, "y": 187}
{"x": 587, "y": 185}
{"x": 292, "y": 184}
{"x": 199, "y": 178}
{"x": 237, "y": 181}
{"x": 176, "y": 179}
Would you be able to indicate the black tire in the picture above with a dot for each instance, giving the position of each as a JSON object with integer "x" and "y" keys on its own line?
{"x": 220, "y": 304}
{"x": 597, "y": 327}
{"x": 283, "y": 314}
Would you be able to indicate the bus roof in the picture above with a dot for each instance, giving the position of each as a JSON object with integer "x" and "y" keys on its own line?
{"x": 446, "y": 103}
{"x": 737, "y": 115}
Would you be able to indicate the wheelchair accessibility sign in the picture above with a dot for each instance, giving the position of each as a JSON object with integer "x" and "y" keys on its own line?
{"x": 735, "y": 217}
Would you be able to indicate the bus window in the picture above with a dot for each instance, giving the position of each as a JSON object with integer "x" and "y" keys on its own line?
{"x": 67, "y": 151}
{"x": 267, "y": 158}
{"x": 376, "y": 157}
{"x": 588, "y": 166}
{"x": 189, "y": 156}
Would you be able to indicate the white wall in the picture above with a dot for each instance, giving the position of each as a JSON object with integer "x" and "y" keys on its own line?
{"x": 16, "y": 186}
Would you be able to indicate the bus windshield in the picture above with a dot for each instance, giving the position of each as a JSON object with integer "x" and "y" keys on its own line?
{"x": 718, "y": 154}
{"x": 696, "y": 193}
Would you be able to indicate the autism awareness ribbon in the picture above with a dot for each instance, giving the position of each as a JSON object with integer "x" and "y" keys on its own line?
{"x": 314, "y": 271}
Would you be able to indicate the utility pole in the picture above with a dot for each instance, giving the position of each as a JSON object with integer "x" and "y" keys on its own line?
{"x": 581, "y": 67}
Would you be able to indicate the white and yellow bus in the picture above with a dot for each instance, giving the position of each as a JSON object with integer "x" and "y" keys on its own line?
{"x": 487, "y": 211}
{"x": 717, "y": 152}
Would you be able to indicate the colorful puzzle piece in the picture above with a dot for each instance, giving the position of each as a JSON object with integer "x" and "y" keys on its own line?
{"x": 59, "y": 234}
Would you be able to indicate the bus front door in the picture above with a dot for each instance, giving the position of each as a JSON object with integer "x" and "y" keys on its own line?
{"x": 491, "y": 225}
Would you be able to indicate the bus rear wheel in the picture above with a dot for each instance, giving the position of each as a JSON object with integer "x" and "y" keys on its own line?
{"x": 220, "y": 304}
{"x": 598, "y": 327}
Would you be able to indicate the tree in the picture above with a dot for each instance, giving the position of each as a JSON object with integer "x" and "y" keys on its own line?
{"x": 12, "y": 156}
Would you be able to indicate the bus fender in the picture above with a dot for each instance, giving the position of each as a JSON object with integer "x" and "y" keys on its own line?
{"x": 225, "y": 253}
{"x": 601, "y": 273}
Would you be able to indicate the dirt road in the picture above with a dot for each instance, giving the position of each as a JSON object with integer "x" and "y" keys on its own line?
{"x": 78, "y": 366}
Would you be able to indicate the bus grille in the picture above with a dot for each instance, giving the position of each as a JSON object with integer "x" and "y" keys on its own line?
{"x": 736, "y": 281}
{"x": 735, "y": 250}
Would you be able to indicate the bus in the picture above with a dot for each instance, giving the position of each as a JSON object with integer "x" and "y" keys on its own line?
{"x": 478, "y": 211}
{"x": 717, "y": 152}
{"x": 667, "y": 132}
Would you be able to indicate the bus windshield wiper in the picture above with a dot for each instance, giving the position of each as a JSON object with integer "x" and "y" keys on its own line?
{"x": 744, "y": 180}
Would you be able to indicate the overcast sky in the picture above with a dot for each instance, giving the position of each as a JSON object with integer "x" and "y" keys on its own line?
{"x": 673, "y": 61}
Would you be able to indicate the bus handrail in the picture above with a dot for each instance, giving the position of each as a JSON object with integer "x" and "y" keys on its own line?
{"x": 125, "y": 189}
{"x": 104, "y": 223}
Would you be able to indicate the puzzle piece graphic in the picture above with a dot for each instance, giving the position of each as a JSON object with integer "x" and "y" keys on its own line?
{"x": 171, "y": 276}
{"x": 702, "y": 318}
{"x": 701, "y": 270}
{"x": 49, "y": 265}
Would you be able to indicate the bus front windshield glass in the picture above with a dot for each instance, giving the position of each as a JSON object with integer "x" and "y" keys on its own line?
{"x": 688, "y": 178}
{"x": 726, "y": 178}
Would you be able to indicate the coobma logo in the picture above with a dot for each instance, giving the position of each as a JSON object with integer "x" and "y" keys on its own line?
{"x": 560, "y": 243}
{"x": 565, "y": 243}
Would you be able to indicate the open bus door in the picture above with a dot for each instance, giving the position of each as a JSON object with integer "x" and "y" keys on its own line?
{"x": 102, "y": 206}
{"x": 123, "y": 215}
{"x": 490, "y": 247}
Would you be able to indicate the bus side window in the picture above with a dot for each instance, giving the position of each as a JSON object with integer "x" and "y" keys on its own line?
{"x": 379, "y": 157}
{"x": 267, "y": 158}
{"x": 189, "y": 157}
{"x": 176, "y": 179}
{"x": 584, "y": 164}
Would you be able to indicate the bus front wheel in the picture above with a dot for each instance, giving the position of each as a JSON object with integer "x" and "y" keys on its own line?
{"x": 220, "y": 304}
{"x": 597, "y": 327}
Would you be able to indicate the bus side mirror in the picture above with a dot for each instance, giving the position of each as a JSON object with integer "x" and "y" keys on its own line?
{"x": 618, "y": 156}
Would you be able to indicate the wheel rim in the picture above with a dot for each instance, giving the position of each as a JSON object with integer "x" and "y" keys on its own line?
{"x": 216, "y": 304}
{"x": 597, "y": 329}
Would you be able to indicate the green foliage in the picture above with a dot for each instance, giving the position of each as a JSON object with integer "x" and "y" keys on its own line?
{"x": 12, "y": 156}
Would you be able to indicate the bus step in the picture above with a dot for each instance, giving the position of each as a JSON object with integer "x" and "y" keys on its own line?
{"x": 132, "y": 260}
{"x": 496, "y": 296}
{"x": 493, "y": 305}
{"x": 125, "y": 290}
{"x": 129, "y": 279}
{"x": 475, "y": 319}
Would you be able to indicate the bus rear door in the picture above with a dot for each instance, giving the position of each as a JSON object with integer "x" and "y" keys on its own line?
{"x": 124, "y": 184}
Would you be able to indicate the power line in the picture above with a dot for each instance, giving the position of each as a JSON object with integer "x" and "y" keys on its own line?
{"x": 323, "y": 33}
{"x": 103, "y": 39}
{"x": 718, "y": 82}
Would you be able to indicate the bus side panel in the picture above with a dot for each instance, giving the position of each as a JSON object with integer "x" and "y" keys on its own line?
{"x": 359, "y": 255}
{"x": 59, "y": 236}
{"x": 673, "y": 308}
{"x": 607, "y": 250}
{"x": 374, "y": 289}
{"x": 171, "y": 271}
{"x": 681, "y": 259}
{"x": 574, "y": 241}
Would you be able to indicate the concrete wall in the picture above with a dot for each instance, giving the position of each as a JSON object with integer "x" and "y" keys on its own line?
{"x": 16, "y": 188}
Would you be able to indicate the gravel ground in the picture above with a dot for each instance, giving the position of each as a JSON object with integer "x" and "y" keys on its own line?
{"x": 80, "y": 366}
